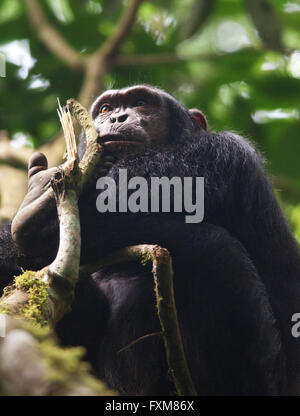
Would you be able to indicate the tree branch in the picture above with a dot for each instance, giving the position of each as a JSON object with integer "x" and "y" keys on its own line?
{"x": 160, "y": 59}
{"x": 199, "y": 12}
{"x": 165, "y": 303}
{"x": 93, "y": 149}
{"x": 51, "y": 37}
{"x": 95, "y": 69}
{"x": 266, "y": 22}
{"x": 148, "y": 59}
{"x": 45, "y": 296}
{"x": 37, "y": 300}
{"x": 112, "y": 45}
{"x": 32, "y": 364}
{"x": 10, "y": 156}
{"x": 95, "y": 66}
{"x": 99, "y": 63}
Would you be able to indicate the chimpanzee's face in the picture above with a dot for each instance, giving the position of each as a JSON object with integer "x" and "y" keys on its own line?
{"x": 131, "y": 118}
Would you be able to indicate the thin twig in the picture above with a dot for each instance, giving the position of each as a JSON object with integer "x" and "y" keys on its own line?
{"x": 136, "y": 341}
{"x": 69, "y": 134}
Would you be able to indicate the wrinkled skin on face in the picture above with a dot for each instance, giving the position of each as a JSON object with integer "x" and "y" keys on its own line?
{"x": 132, "y": 117}
{"x": 128, "y": 121}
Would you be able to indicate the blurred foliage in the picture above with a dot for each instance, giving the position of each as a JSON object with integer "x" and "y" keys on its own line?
{"x": 225, "y": 70}
{"x": 293, "y": 214}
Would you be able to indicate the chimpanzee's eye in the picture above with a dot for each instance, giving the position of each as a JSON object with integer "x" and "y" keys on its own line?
{"x": 106, "y": 108}
{"x": 140, "y": 103}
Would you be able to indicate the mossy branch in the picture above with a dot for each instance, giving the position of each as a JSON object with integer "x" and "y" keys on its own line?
{"x": 32, "y": 364}
{"x": 93, "y": 149}
{"x": 37, "y": 300}
{"x": 59, "y": 278}
{"x": 165, "y": 303}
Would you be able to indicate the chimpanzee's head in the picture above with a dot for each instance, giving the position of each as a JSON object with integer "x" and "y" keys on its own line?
{"x": 131, "y": 118}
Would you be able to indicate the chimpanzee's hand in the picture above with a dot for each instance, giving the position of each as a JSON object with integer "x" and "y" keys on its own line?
{"x": 37, "y": 216}
{"x": 35, "y": 226}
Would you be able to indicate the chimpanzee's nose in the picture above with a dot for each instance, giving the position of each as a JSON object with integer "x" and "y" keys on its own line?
{"x": 120, "y": 118}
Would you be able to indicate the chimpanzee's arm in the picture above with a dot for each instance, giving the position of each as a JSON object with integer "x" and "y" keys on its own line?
{"x": 11, "y": 258}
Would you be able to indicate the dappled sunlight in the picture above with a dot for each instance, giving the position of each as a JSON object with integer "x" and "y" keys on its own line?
{"x": 291, "y": 7}
{"x": 231, "y": 36}
{"x": 37, "y": 82}
{"x": 294, "y": 64}
{"x": 265, "y": 116}
{"x": 21, "y": 139}
{"x": 18, "y": 53}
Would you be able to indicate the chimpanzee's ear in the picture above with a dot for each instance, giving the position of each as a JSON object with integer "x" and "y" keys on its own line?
{"x": 198, "y": 118}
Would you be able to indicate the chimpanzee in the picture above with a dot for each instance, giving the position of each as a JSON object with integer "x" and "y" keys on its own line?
{"x": 236, "y": 273}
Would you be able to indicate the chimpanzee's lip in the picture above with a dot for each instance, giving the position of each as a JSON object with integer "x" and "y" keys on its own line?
{"x": 112, "y": 138}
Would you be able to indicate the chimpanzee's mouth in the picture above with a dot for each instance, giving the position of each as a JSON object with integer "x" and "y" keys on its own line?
{"x": 118, "y": 138}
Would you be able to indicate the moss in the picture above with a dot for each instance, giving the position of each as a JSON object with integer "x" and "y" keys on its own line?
{"x": 4, "y": 310}
{"x": 62, "y": 363}
{"x": 37, "y": 291}
{"x": 40, "y": 333}
{"x": 65, "y": 367}
{"x": 145, "y": 258}
{"x": 7, "y": 290}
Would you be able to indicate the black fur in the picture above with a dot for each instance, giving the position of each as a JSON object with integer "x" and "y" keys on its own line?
{"x": 237, "y": 275}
